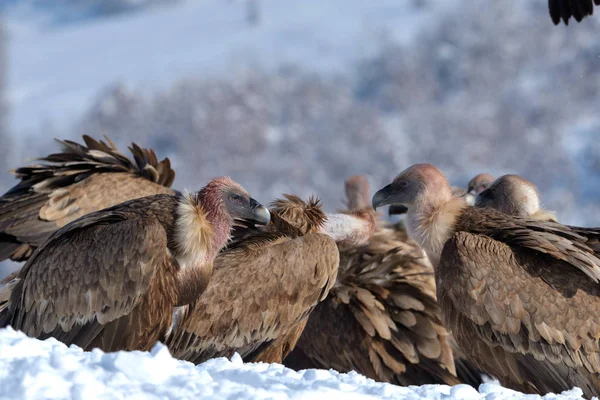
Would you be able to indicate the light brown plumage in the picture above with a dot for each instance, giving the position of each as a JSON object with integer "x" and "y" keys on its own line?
{"x": 111, "y": 278}
{"x": 263, "y": 289}
{"x": 514, "y": 195}
{"x": 72, "y": 183}
{"x": 521, "y": 296}
{"x": 381, "y": 318}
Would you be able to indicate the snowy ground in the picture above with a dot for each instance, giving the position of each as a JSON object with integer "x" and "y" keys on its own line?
{"x": 33, "y": 369}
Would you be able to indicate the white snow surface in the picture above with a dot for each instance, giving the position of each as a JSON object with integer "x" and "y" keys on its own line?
{"x": 34, "y": 369}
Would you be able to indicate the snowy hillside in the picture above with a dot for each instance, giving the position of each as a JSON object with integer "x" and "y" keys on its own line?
{"x": 55, "y": 72}
{"x": 33, "y": 369}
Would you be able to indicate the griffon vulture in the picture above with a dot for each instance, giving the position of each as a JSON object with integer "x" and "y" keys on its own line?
{"x": 265, "y": 285}
{"x": 72, "y": 183}
{"x": 565, "y": 9}
{"x": 381, "y": 317}
{"x": 521, "y": 296}
{"x": 112, "y": 278}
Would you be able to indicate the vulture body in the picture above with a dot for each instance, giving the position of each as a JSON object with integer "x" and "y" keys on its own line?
{"x": 112, "y": 278}
{"x": 521, "y": 296}
{"x": 79, "y": 180}
{"x": 381, "y": 317}
{"x": 264, "y": 286}
{"x": 565, "y": 9}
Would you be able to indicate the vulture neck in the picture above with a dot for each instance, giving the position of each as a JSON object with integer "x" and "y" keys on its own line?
{"x": 353, "y": 229}
{"x": 357, "y": 200}
{"x": 431, "y": 221}
{"x": 202, "y": 229}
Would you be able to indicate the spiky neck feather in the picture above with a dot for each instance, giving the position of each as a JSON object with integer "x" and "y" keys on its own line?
{"x": 202, "y": 228}
{"x": 431, "y": 220}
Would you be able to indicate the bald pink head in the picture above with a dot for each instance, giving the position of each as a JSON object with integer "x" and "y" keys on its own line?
{"x": 415, "y": 186}
{"x": 511, "y": 194}
{"x": 358, "y": 192}
{"x": 479, "y": 183}
{"x": 223, "y": 200}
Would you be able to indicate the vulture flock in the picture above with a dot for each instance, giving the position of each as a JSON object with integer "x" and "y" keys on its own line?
{"x": 476, "y": 282}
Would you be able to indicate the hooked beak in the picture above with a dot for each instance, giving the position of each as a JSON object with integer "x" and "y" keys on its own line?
{"x": 397, "y": 209}
{"x": 260, "y": 214}
{"x": 383, "y": 197}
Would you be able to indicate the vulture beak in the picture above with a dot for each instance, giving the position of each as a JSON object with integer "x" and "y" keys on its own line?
{"x": 397, "y": 209}
{"x": 383, "y": 197}
{"x": 259, "y": 213}
{"x": 471, "y": 191}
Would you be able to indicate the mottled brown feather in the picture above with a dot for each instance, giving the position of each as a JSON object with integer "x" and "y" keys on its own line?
{"x": 381, "y": 318}
{"x": 257, "y": 295}
{"x": 106, "y": 272}
{"x": 525, "y": 316}
{"x": 70, "y": 184}
{"x": 264, "y": 286}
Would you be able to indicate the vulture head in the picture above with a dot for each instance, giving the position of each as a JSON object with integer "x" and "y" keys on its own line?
{"x": 415, "y": 187}
{"x": 477, "y": 185}
{"x": 230, "y": 197}
{"x": 514, "y": 195}
{"x": 358, "y": 192}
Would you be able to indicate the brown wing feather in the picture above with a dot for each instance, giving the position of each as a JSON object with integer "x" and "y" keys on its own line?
{"x": 546, "y": 237}
{"x": 73, "y": 183}
{"x": 105, "y": 266}
{"x": 381, "y": 318}
{"x": 523, "y": 317}
{"x": 257, "y": 294}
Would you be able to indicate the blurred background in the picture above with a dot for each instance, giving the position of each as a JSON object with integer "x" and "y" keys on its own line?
{"x": 294, "y": 96}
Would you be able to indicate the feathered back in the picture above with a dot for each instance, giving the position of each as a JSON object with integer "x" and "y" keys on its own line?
{"x": 67, "y": 185}
{"x": 307, "y": 216}
{"x": 76, "y": 162}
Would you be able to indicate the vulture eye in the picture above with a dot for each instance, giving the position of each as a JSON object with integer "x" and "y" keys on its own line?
{"x": 401, "y": 184}
{"x": 235, "y": 197}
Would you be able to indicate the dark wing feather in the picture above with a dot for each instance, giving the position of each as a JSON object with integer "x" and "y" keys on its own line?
{"x": 88, "y": 274}
{"x": 75, "y": 182}
{"x": 257, "y": 294}
{"x": 521, "y": 316}
{"x": 545, "y": 237}
{"x": 565, "y": 9}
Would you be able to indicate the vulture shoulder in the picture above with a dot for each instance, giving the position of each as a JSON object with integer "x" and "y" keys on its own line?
{"x": 259, "y": 297}
{"x": 96, "y": 281}
{"x": 381, "y": 318}
{"x": 565, "y": 9}
{"x": 67, "y": 185}
{"x": 527, "y": 318}
{"x": 558, "y": 241}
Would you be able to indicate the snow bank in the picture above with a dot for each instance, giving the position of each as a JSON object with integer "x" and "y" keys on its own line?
{"x": 33, "y": 369}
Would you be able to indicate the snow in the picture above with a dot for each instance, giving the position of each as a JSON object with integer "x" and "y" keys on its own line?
{"x": 34, "y": 369}
{"x": 156, "y": 47}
